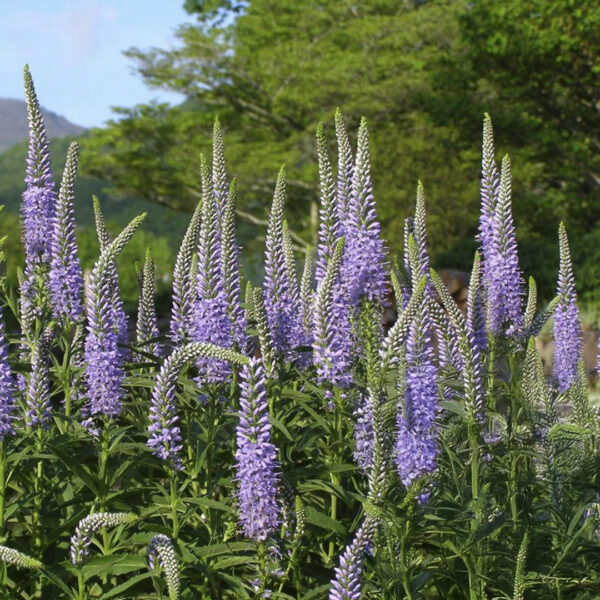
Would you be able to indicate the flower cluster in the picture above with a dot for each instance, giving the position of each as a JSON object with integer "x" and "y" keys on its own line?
{"x": 147, "y": 324}
{"x": 37, "y": 398}
{"x": 210, "y": 317}
{"x": 257, "y": 467}
{"x": 66, "y": 279}
{"x": 103, "y": 359}
{"x": 416, "y": 444}
{"x": 87, "y": 528}
{"x": 162, "y": 553}
{"x": 364, "y": 434}
{"x": 282, "y": 294}
{"x": 346, "y": 584}
{"x": 14, "y": 557}
{"x": 7, "y": 389}
{"x": 567, "y": 329}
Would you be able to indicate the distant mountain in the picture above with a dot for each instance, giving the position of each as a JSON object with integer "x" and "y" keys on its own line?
{"x": 13, "y": 123}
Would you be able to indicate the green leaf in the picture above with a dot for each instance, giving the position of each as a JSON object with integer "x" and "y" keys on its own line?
{"x": 116, "y": 591}
{"x": 323, "y": 521}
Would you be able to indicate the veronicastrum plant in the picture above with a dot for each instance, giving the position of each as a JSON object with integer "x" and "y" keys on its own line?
{"x": 290, "y": 443}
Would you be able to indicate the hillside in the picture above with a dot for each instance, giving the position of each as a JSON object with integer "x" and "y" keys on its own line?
{"x": 13, "y": 123}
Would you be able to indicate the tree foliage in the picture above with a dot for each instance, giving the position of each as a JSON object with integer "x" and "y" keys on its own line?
{"x": 422, "y": 73}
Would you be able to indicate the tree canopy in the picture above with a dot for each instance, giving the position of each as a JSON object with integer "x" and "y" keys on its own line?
{"x": 423, "y": 73}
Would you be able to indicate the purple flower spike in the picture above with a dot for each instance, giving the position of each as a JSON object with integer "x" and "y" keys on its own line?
{"x": 345, "y": 170}
{"x": 7, "y": 389}
{"x": 416, "y": 441}
{"x": 147, "y": 324}
{"x": 257, "y": 467}
{"x": 39, "y": 199}
{"x": 37, "y": 211}
{"x": 346, "y": 584}
{"x": 501, "y": 267}
{"x": 66, "y": 279}
{"x": 329, "y": 217}
{"x": 165, "y": 437}
{"x": 210, "y": 318}
{"x": 37, "y": 398}
{"x": 282, "y": 297}
{"x": 231, "y": 271}
{"x": 165, "y": 434}
{"x": 120, "y": 322}
{"x": 103, "y": 359}
{"x": 490, "y": 189}
{"x": 365, "y": 256}
{"x": 332, "y": 346}
{"x": 364, "y": 434}
{"x": 567, "y": 329}
{"x": 183, "y": 285}
{"x": 476, "y": 307}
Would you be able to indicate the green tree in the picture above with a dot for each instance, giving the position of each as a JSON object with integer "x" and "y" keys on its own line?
{"x": 423, "y": 73}
{"x": 273, "y": 73}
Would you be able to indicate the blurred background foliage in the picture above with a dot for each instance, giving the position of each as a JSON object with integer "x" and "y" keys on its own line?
{"x": 422, "y": 72}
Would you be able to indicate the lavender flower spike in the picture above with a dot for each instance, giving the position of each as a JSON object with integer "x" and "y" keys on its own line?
{"x": 416, "y": 437}
{"x": 490, "y": 188}
{"x": 183, "y": 297}
{"x": 66, "y": 279}
{"x": 344, "y": 171}
{"x": 475, "y": 306}
{"x": 210, "y": 318}
{"x": 502, "y": 273}
{"x": 231, "y": 271}
{"x": 329, "y": 218}
{"x": 284, "y": 315}
{"x": 364, "y": 434}
{"x": 103, "y": 359}
{"x": 37, "y": 212}
{"x": 165, "y": 434}
{"x": 567, "y": 329}
{"x": 346, "y": 584}
{"x": 147, "y": 325}
{"x": 7, "y": 388}
{"x": 365, "y": 256}
{"x": 257, "y": 467}
{"x": 119, "y": 317}
{"x": 39, "y": 199}
{"x": 37, "y": 399}
{"x": 332, "y": 329}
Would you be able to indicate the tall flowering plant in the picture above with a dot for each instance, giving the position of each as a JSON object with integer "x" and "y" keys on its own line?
{"x": 292, "y": 445}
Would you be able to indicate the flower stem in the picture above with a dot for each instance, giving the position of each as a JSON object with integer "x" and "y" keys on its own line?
{"x": 174, "y": 503}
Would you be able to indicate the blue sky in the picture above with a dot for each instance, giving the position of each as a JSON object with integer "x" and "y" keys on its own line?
{"x": 74, "y": 50}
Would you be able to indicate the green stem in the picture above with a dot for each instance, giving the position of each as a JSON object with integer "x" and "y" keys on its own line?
{"x": 473, "y": 593}
{"x": 37, "y": 506}
{"x": 405, "y": 578}
{"x": 474, "y": 462}
{"x": 104, "y": 485}
{"x": 37, "y": 488}
{"x": 80, "y": 585}
{"x": 210, "y": 453}
{"x": 174, "y": 502}
{"x": 336, "y": 436}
